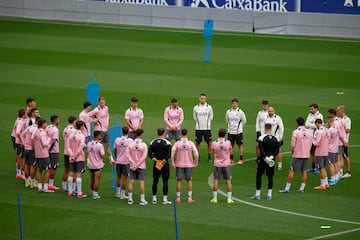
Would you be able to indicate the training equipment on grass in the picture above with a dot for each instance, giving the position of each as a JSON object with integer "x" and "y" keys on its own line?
{"x": 325, "y": 227}
{"x": 208, "y": 33}
{"x": 20, "y": 218}
{"x": 114, "y": 132}
{"x": 176, "y": 222}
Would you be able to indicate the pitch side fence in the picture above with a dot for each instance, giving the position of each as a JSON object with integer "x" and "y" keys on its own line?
{"x": 319, "y": 24}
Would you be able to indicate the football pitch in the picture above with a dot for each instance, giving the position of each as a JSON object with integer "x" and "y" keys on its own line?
{"x": 52, "y": 61}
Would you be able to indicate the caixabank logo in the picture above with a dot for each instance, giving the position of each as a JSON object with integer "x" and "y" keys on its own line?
{"x": 250, "y": 5}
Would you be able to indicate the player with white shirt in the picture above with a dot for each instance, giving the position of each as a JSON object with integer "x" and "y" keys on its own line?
{"x": 235, "y": 119}
{"x": 347, "y": 125}
{"x": 310, "y": 124}
{"x": 95, "y": 151}
{"x": 203, "y": 115}
{"x": 260, "y": 124}
{"x": 277, "y": 129}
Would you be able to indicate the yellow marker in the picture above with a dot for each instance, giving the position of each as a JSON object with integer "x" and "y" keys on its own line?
{"x": 325, "y": 227}
{"x": 339, "y": 93}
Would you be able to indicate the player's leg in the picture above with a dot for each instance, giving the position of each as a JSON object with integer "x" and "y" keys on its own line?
{"x": 156, "y": 177}
{"x": 65, "y": 173}
{"x": 208, "y": 139}
{"x": 198, "y": 140}
{"x": 33, "y": 170}
{"x": 347, "y": 162}
{"x": 124, "y": 176}
{"x": 47, "y": 175}
{"x": 293, "y": 166}
{"x": 118, "y": 179}
{"x": 189, "y": 188}
{"x": 39, "y": 179}
{"x": 165, "y": 173}
{"x": 79, "y": 170}
{"x": 227, "y": 177}
{"x": 142, "y": 176}
{"x": 270, "y": 174}
{"x": 259, "y": 172}
{"x": 96, "y": 183}
{"x": 130, "y": 190}
{"x": 54, "y": 161}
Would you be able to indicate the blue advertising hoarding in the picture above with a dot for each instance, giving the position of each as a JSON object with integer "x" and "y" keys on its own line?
{"x": 320, "y": 6}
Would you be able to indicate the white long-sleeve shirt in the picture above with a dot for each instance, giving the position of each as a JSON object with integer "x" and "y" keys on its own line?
{"x": 236, "y": 119}
{"x": 203, "y": 115}
{"x": 277, "y": 126}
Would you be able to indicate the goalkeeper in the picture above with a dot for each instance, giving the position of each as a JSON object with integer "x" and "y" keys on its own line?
{"x": 269, "y": 148}
{"x": 159, "y": 152}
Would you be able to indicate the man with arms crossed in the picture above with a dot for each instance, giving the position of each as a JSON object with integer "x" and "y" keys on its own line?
{"x": 134, "y": 117}
{"x": 122, "y": 163}
{"x": 136, "y": 153}
{"x": 159, "y": 152}
{"x": 101, "y": 114}
{"x": 173, "y": 117}
{"x": 84, "y": 116}
{"x": 260, "y": 125}
{"x": 187, "y": 157}
{"x": 301, "y": 141}
{"x": 95, "y": 152}
{"x": 222, "y": 149}
{"x": 235, "y": 119}
{"x": 203, "y": 115}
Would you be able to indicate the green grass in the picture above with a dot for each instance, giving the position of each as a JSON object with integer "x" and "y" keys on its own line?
{"x": 52, "y": 62}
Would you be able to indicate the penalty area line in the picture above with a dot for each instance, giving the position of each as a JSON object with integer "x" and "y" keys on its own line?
{"x": 335, "y": 234}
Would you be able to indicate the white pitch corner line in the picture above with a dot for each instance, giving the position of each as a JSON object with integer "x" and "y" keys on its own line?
{"x": 335, "y": 234}
{"x": 210, "y": 183}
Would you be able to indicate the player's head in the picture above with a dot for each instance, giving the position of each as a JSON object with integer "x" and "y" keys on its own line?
{"x": 318, "y": 122}
{"x": 71, "y": 119}
{"x": 139, "y": 132}
{"x": 87, "y": 105}
{"x": 41, "y": 123}
{"x": 160, "y": 131}
{"x": 79, "y": 124}
{"x": 267, "y": 126}
{"x": 184, "y": 132}
{"x": 265, "y": 104}
{"x": 340, "y": 110}
{"x": 300, "y": 121}
{"x": 134, "y": 102}
{"x": 332, "y": 112}
{"x": 54, "y": 119}
{"x": 37, "y": 120}
{"x": 202, "y": 98}
{"x": 97, "y": 135}
{"x": 234, "y": 103}
{"x": 330, "y": 119}
{"x": 313, "y": 108}
{"x": 34, "y": 112}
{"x": 21, "y": 113}
{"x": 271, "y": 111}
{"x": 125, "y": 130}
{"x": 222, "y": 132}
{"x": 102, "y": 101}
{"x": 30, "y": 102}
{"x": 174, "y": 102}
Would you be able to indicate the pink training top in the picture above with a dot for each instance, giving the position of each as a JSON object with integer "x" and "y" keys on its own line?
{"x": 84, "y": 116}
{"x": 301, "y": 142}
{"x": 321, "y": 141}
{"x": 136, "y": 153}
{"x": 185, "y": 150}
{"x": 334, "y": 140}
{"x": 103, "y": 116}
{"x": 68, "y": 131}
{"x": 173, "y": 117}
{"x": 134, "y": 117}
{"x": 28, "y": 142}
{"x": 96, "y": 153}
{"x": 120, "y": 146}
{"x": 17, "y": 130}
{"x": 222, "y": 149}
{"x": 76, "y": 143}
{"x": 41, "y": 144}
{"x": 53, "y": 133}
{"x": 342, "y": 131}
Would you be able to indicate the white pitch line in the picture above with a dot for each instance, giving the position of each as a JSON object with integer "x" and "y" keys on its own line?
{"x": 210, "y": 183}
{"x": 334, "y": 234}
{"x": 194, "y": 31}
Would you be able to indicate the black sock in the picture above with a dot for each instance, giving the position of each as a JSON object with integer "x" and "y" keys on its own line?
{"x": 241, "y": 157}
{"x": 313, "y": 165}
{"x": 231, "y": 156}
